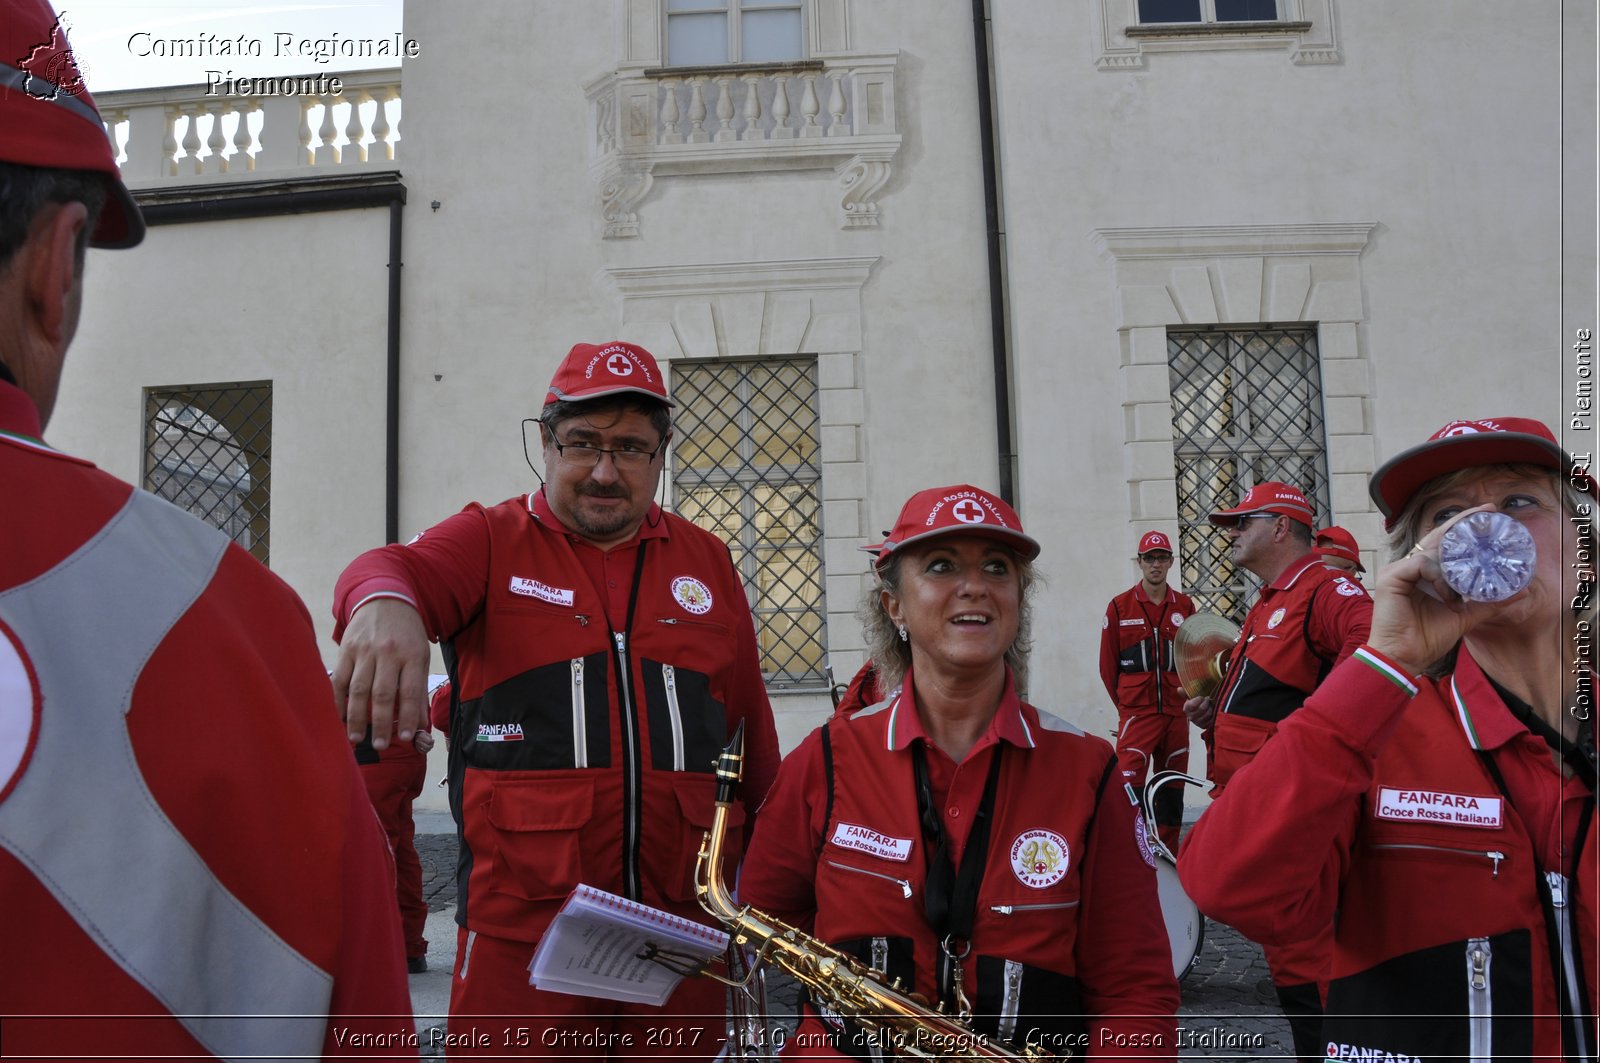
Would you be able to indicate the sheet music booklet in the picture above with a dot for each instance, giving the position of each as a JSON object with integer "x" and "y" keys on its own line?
{"x": 592, "y": 948}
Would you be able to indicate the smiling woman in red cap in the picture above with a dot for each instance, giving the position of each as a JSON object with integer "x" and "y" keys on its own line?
{"x": 1437, "y": 791}
{"x": 954, "y": 836}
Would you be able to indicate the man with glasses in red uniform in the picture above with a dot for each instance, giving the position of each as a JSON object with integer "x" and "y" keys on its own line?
{"x": 601, "y": 652}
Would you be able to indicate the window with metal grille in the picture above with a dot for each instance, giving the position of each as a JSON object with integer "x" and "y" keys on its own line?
{"x": 746, "y": 465}
{"x": 1246, "y": 407}
{"x": 1208, "y": 11}
{"x": 208, "y": 449}
{"x": 713, "y": 32}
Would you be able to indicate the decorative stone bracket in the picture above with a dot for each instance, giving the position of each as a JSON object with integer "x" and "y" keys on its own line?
{"x": 819, "y": 114}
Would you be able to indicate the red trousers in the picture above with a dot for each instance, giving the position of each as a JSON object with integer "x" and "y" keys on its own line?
{"x": 393, "y": 785}
{"x": 494, "y": 1012}
{"x": 1150, "y": 742}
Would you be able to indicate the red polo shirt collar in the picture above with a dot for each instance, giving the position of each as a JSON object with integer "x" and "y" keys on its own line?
{"x": 1009, "y": 724}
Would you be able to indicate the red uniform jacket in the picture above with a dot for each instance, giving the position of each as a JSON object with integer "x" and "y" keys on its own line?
{"x": 1306, "y": 621}
{"x": 1067, "y": 896}
{"x": 186, "y": 840}
{"x": 1376, "y": 802}
{"x": 579, "y": 753}
{"x": 1136, "y": 662}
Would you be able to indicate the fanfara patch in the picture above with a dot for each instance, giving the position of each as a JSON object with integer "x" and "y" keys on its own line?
{"x": 1346, "y": 588}
{"x": 1437, "y": 806}
{"x": 692, "y": 594}
{"x": 1039, "y": 858}
{"x": 867, "y": 840}
{"x": 1141, "y": 835}
{"x": 1276, "y": 618}
{"x": 499, "y": 732}
{"x": 1177, "y": 619}
{"x": 532, "y": 588}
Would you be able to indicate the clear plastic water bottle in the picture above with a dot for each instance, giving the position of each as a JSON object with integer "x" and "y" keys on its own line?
{"x": 1487, "y": 557}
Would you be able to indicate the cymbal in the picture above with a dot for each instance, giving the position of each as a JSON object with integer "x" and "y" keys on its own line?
{"x": 1201, "y": 650}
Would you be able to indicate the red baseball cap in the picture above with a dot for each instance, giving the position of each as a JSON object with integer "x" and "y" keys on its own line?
{"x": 49, "y": 120}
{"x": 1465, "y": 445}
{"x": 1341, "y": 544}
{"x": 958, "y": 510}
{"x": 597, "y": 370}
{"x": 1268, "y": 497}
{"x": 1154, "y": 540}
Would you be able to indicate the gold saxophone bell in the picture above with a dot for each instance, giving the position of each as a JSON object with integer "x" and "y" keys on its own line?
{"x": 904, "y": 1021}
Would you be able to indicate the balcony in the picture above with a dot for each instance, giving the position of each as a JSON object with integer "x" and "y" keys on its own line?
{"x": 837, "y": 114}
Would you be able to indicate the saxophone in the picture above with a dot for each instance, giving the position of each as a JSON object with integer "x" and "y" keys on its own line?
{"x": 897, "y": 1018}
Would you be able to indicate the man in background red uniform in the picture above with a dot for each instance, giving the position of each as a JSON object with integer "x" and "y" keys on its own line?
{"x": 186, "y": 852}
{"x": 394, "y": 778}
{"x": 1307, "y": 619}
{"x": 1137, "y": 667}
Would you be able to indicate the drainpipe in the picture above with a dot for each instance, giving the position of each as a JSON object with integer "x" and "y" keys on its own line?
{"x": 998, "y": 335}
{"x": 391, "y": 457}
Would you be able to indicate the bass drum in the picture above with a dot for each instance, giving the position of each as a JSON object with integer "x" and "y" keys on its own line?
{"x": 1186, "y": 927}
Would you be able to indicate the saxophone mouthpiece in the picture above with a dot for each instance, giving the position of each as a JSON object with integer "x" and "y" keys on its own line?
{"x": 730, "y": 766}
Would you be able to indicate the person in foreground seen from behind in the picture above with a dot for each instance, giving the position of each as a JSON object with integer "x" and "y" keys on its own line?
{"x": 601, "y": 651}
{"x": 187, "y": 856}
{"x": 1437, "y": 791}
{"x": 954, "y": 836}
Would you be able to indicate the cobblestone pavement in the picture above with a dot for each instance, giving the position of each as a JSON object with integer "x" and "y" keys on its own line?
{"x": 1228, "y": 1011}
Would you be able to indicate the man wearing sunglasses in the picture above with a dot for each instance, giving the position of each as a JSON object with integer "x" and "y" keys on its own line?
{"x": 601, "y": 652}
{"x": 1308, "y": 618}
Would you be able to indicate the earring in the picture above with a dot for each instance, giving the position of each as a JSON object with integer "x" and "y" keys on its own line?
{"x": 903, "y": 636}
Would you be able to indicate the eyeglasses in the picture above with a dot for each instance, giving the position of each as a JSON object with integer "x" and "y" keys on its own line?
{"x": 1260, "y": 516}
{"x": 1156, "y": 559}
{"x": 585, "y": 456}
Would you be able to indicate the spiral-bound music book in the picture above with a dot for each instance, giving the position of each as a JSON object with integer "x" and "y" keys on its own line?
{"x": 595, "y": 945}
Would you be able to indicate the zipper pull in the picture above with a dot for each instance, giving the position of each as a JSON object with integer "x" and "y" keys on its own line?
{"x": 665, "y": 620}
{"x": 1480, "y": 969}
{"x": 1496, "y": 858}
{"x": 1002, "y": 909}
{"x": 670, "y": 674}
{"x": 577, "y": 671}
{"x": 905, "y": 888}
{"x": 622, "y": 642}
{"x": 1558, "y": 888}
{"x": 582, "y": 619}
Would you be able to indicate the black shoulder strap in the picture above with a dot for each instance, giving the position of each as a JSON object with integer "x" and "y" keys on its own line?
{"x": 1305, "y": 633}
{"x": 827, "y": 770}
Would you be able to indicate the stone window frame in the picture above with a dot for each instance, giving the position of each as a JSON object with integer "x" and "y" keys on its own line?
{"x": 776, "y": 309}
{"x": 1171, "y": 277}
{"x": 1306, "y": 29}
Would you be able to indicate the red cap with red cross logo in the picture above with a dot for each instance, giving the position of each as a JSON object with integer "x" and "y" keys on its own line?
{"x": 597, "y": 370}
{"x": 49, "y": 120}
{"x": 957, "y": 510}
{"x": 1465, "y": 445}
{"x": 1152, "y": 541}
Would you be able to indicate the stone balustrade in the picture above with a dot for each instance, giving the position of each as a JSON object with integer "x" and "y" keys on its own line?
{"x": 837, "y": 112}
{"x": 186, "y": 134}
